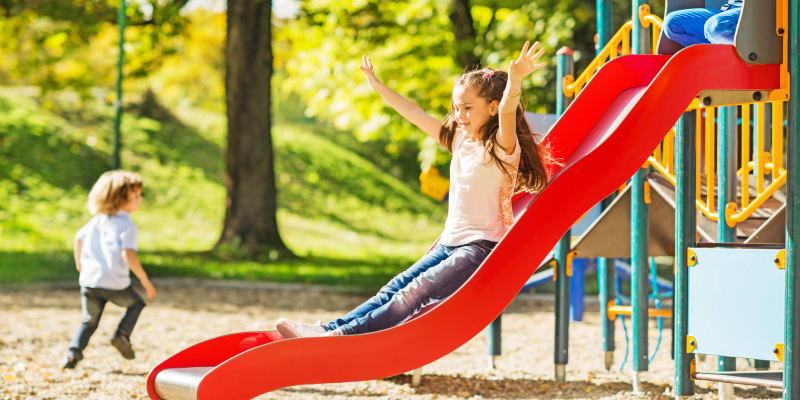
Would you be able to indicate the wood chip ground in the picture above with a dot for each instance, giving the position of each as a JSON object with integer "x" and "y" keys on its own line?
{"x": 38, "y": 322}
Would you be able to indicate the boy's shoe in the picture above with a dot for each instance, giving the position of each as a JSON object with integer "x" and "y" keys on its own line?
{"x": 72, "y": 359}
{"x": 123, "y": 344}
{"x": 289, "y": 329}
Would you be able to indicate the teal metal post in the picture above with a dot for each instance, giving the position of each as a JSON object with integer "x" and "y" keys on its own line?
{"x": 726, "y": 169}
{"x": 566, "y": 66}
{"x": 603, "y": 12}
{"x": 726, "y": 184}
{"x": 791, "y": 363}
{"x": 495, "y": 349}
{"x": 685, "y": 228}
{"x": 121, "y": 20}
{"x": 639, "y": 275}
{"x": 640, "y": 44}
{"x": 757, "y": 147}
{"x": 605, "y": 266}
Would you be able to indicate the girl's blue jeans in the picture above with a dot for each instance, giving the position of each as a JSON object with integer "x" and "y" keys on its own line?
{"x": 430, "y": 280}
{"x": 702, "y": 25}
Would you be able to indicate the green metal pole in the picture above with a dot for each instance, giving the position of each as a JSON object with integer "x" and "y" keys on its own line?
{"x": 121, "y": 20}
{"x": 685, "y": 228}
{"x": 757, "y": 144}
{"x": 495, "y": 342}
{"x": 791, "y": 371}
{"x": 566, "y": 66}
{"x": 603, "y": 22}
{"x": 726, "y": 169}
{"x": 726, "y": 183}
{"x": 605, "y": 266}
{"x": 639, "y": 267}
{"x": 639, "y": 276}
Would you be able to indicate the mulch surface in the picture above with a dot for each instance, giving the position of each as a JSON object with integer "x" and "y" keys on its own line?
{"x": 40, "y": 320}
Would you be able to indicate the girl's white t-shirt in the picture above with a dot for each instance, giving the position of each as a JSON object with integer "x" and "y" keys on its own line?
{"x": 480, "y": 193}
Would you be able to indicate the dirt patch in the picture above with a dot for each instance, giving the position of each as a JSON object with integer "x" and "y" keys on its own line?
{"x": 39, "y": 322}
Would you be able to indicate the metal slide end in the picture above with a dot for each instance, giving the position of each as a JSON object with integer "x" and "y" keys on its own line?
{"x": 637, "y": 382}
{"x": 561, "y": 372}
{"x": 492, "y": 361}
{"x": 609, "y": 360}
{"x": 725, "y": 391}
{"x": 416, "y": 377}
{"x": 179, "y": 383}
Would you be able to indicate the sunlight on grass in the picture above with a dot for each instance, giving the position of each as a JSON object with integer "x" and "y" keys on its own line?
{"x": 350, "y": 222}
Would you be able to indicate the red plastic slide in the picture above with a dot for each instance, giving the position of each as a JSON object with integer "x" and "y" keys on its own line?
{"x": 602, "y": 139}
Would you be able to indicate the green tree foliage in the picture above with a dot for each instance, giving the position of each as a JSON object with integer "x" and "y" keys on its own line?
{"x": 71, "y": 43}
{"x": 193, "y": 75}
{"x": 412, "y": 45}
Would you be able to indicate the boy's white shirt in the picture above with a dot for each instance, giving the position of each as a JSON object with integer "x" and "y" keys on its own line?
{"x": 104, "y": 238}
{"x": 480, "y": 193}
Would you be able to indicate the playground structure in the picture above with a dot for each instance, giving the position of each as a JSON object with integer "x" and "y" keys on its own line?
{"x": 630, "y": 103}
{"x": 741, "y": 288}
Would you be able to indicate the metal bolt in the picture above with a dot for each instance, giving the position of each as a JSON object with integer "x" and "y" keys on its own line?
{"x": 775, "y": 350}
{"x": 691, "y": 342}
{"x": 780, "y": 31}
{"x": 752, "y": 56}
{"x": 707, "y": 100}
{"x": 693, "y": 258}
{"x": 777, "y": 260}
{"x": 756, "y": 96}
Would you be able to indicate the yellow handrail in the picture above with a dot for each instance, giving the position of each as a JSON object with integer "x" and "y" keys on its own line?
{"x": 646, "y": 18}
{"x": 709, "y": 154}
{"x": 573, "y": 86}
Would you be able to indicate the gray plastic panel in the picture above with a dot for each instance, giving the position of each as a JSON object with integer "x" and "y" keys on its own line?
{"x": 773, "y": 230}
{"x": 756, "y": 36}
{"x": 610, "y": 234}
{"x": 736, "y": 302}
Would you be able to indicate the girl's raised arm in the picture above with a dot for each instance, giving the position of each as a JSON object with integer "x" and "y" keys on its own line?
{"x": 517, "y": 70}
{"x": 407, "y": 108}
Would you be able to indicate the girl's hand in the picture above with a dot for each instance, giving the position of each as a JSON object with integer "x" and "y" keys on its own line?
{"x": 369, "y": 72}
{"x": 526, "y": 63}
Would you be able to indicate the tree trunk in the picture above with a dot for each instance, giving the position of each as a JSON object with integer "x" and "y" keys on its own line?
{"x": 251, "y": 204}
{"x": 464, "y": 32}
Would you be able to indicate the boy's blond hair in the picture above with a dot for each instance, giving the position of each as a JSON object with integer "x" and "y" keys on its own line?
{"x": 111, "y": 191}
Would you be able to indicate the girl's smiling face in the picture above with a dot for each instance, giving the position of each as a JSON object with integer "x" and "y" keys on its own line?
{"x": 470, "y": 110}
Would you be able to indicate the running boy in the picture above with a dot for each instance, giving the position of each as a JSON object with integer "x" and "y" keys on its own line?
{"x": 105, "y": 255}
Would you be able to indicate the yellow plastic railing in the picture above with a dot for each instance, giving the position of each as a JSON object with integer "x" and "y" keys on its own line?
{"x": 620, "y": 44}
{"x": 766, "y": 170}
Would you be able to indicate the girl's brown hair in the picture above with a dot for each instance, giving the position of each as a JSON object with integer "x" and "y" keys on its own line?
{"x": 490, "y": 84}
{"x": 112, "y": 190}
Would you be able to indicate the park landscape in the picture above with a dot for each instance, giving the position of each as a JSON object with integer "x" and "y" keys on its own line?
{"x": 344, "y": 204}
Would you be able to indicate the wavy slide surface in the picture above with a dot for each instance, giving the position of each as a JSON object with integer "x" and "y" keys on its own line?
{"x": 601, "y": 140}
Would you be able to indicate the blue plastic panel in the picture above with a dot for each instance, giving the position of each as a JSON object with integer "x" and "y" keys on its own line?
{"x": 736, "y": 302}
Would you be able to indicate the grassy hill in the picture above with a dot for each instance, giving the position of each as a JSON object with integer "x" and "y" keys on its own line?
{"x": 350, "y": 222}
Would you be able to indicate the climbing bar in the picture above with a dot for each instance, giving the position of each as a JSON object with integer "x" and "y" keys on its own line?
{"x": 773, "y": 379}
{"x": 616, "y": 309}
